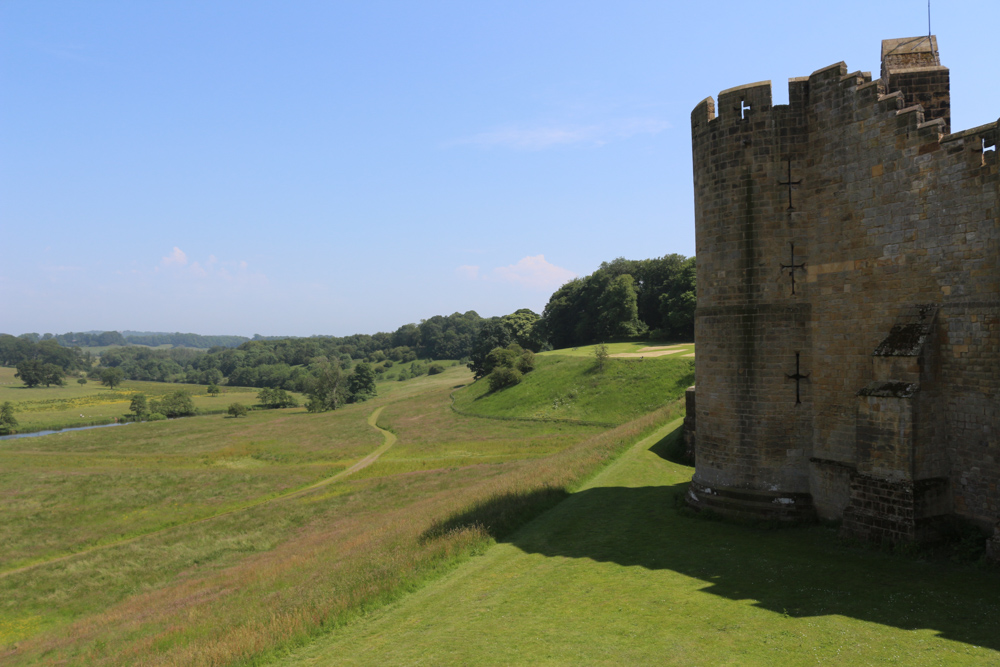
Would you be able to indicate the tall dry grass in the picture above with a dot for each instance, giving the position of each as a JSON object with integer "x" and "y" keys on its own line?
{"x": 336, "y": 558}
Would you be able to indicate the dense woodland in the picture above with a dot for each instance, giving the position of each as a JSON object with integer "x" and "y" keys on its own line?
{"x": 151, "y": 339}
{"x": 622, "y": 299}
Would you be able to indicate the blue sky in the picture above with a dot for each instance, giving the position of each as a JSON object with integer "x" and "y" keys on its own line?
{"x": 347, "y": 167}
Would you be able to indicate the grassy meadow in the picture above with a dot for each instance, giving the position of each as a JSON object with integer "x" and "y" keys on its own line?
{"x": 216, "y": 541}
{"x": 441, "y": 524}
{"x": 616, "y": 575}
{"x": 43, "y": 408}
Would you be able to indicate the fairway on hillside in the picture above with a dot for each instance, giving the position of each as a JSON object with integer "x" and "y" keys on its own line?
{"x": 615, "y": 575}
{"x": 570, "y": 387}
{"x": 640, "y": 348}
{"x": 216, "y": 541}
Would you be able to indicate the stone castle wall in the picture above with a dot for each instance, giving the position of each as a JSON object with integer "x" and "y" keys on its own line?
{"x": 848, "y": 321}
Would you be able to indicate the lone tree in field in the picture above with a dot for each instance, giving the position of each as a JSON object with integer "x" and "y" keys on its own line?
{"x": 112, "y": 377}
{"x": 177, "y": 404}
{"x": 213, "y": 389}
{"x": 237, "y": 410}
{"x": 29, "y": 372}
{"x": 601, "y": 356}
{"x": 139, "y": 406}
{"x": 276, "y": 398}
{"x": 7, "y": 420}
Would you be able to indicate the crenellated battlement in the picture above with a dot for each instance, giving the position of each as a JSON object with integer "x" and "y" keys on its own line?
{"x": 912, "y": 77}
{"x": 830, "y": 98}
{"x": 821, "y": 224}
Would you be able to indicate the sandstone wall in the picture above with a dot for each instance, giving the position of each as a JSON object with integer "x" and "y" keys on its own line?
{"x": 873, "y": 208}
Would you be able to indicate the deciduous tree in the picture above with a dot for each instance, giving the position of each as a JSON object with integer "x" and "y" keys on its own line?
{"x": 237, "y": 410}
{"x": 276, "y": 398}
{"x": 139, "y": 407}
{"x": 177, "y": 404}
{"x": 601, "y": 356}
{"x": 8, "y": 423}
{"x": 495, "y": 333}
{"x": 361, "y": 383}
{"x": 30, "y": 372}
{"x": 619, "y": 309}
{"x": 112, "y": 377}
{"x": 328, "y": 388}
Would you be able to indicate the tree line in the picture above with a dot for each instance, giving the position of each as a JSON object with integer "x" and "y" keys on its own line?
{"x": 42, "y": 361}
{"x": 622, "y": 299}
{"x": 155, "y": 339}
{"x": 152, "y": 339}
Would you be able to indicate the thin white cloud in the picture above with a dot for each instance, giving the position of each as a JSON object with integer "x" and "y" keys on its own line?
{"x": 468, "y": 271}
{"x": 534, "y": 272}
{"x": 237, "y": 273}
{"x": 177, "y": 257}
{"x": 540, "y": 137}
{"x": 56, "y": 273}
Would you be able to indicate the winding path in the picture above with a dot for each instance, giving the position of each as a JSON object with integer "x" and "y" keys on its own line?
{"x": 389, "y": 439}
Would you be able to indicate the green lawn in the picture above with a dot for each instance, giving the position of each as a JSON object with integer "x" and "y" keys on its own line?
{"x": 614, "y": 575}
{"x": 633, "y": 347}
{"x": 569, "y": 387}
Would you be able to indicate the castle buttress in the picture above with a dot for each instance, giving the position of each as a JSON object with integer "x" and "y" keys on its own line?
{"x": 848, "y": 319}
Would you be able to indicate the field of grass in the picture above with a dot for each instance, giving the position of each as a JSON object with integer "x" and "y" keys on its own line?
{"x": 43, "y": 408}
{"x": 615, "y": 575}
{"x": 210, "y": 540}
{"x": 216, "y": 541}
{"x": 632, "y": 347}
{"x": 570, "y": 387}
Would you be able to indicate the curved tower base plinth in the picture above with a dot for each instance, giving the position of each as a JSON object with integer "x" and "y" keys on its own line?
{"x": 751, "y": 503}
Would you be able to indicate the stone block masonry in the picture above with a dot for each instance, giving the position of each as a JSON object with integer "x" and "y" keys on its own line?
{"x": 848, "y": 322}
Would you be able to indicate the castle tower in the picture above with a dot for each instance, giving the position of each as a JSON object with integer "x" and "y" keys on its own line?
{"x": 912, "y": 66}
{"x": 848, "y": 322}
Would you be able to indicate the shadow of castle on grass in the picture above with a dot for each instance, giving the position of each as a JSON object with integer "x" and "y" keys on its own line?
{"x": 801, "y": 571}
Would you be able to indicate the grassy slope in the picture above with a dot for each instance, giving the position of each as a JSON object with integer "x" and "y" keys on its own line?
{"x": 237, "y": 585}
{"x": 568, "y": 387}
{"x": 614, "y": 575}
{"x": 633, "y": 347}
